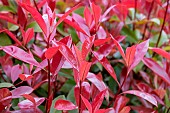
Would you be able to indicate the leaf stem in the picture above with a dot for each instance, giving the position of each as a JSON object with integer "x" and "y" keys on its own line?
{"x": 80, "y": 97}
{"x": 163, "y": 24}
{"x": 49, "y": 87}
{"x": 135, "y": 14}
{"x": 146, "y": 25}
{"x": 117, "y": 91}
{"x": 49, "y": 81}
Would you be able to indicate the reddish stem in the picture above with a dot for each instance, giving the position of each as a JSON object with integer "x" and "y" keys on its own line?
{"x": 146, "y": 25}
{"x": 118, "y": 91}
{"x": 163, "y": 24}
{"x": 135, "y": 14}
{"x": 80, "y": 97}
{"x": 49, "y": 87}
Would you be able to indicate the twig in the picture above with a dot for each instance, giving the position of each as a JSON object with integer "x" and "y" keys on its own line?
{"x": 163, "y": 24}
{"x": 159, "y": 37}
{"x": 146, "y": 25}
{"x": 135, "y": 14}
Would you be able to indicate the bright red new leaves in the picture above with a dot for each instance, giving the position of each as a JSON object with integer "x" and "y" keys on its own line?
{"x": 36, "y": 15}
{"x": 67, "y": 13}
{"x": 143, "y": 95}
{"x": 5, "y": 98}
{"x": 25, "y": 77}
{"x": 161, "y": 52}
{"x": 64, "y": 105}
{"x": 86, "y": 47}
{"x": 103, "y": 60}
{"x": 96, "y": 13}
{"x": 84, "y": 69}
{"x": 157, "y": 69}
{"x": 20, "y": 54}
{"x": 141, "y": 50}
{"x": 134, "y": 54}
{"x": 18, "y": 92}
{"x": 88, "y": 16}
{"x": 51, "y": 52}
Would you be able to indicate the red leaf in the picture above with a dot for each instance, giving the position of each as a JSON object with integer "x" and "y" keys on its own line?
{"x": 119, "y": 48}
{"x": 84, "y": 69}
{"x": 87, "y": 104}
{"x": 96, "y": 13}
{"x": 12, "y": 36}
{"x": 130, "y": 55}
{"x": 36, "y": 15}
{"x": 51, "y": 52}
{"x": 85, "y": 92}
{"x": 140, "y": 52}
{"x": 28, "y": 104}
{"x": 142, "y": 109}
{"x": 14, "y": 73}
{"x": 52, "y": 4}
{"x": 25, "y": 77}
{"x": 88, "y": 16}
{"x": 96, "y": 81}
{"x": 21, "y": 17}
{"x": 157, "y": 69}
{"x": 75, "y": 26}
{"x": 5, "y": 98}
{"x": 68, "y": 55}
{"x": 30, "y": 98}
{"x": 16, "y": 93}
{"x": 161, "y": 52}
{"x": 109, "y": 110}
{"x": 125, "y": 110}
{"x": 58, "y": 59}
{"x": 120, "y": 103}
{"x": 20, "y": 54}
{"x": 87, "y": 45}
{"x": 64, "y": 105}
{"x": 98, "y": 100}
{"x": 143, "y": 95}
{"x": 7, "y": 18}
{"x": 106, "y": 12}
{"x": 99, "y": 42}
{"x": 28, "y": 35}
{"x": 145, "y": 76}
{"x": 160, "y": 92}
{"x": 67, "y": 13}
{"x": 103, "y": 60}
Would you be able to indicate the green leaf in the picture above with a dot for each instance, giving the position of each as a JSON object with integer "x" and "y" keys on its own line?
{"x": 6, "y": 8}
{"x": 138, "y": 67}
{"x": 70, "y": 95}
{"x": 131, "y": 35}
{"x": 67, "y": 86}
{"x": 52, "y": 109}
{"x": 4, "y": 40}
{"x": 167, "y": 101}
{"x": 73, "y": 35}
{"x": 155, "y": 20}
{"x": 35, "y": 26}
{"x": 12, "y": 27}
{"x": 164, "y": 38}
{"x": 5, "y": 84}
{"x": 80, "y": 11}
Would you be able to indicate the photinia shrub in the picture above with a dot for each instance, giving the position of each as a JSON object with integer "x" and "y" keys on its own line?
{"x": 89, "y": 56}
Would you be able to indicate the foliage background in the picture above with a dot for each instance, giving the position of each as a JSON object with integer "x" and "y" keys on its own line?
{"x": 59, "y": 49}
